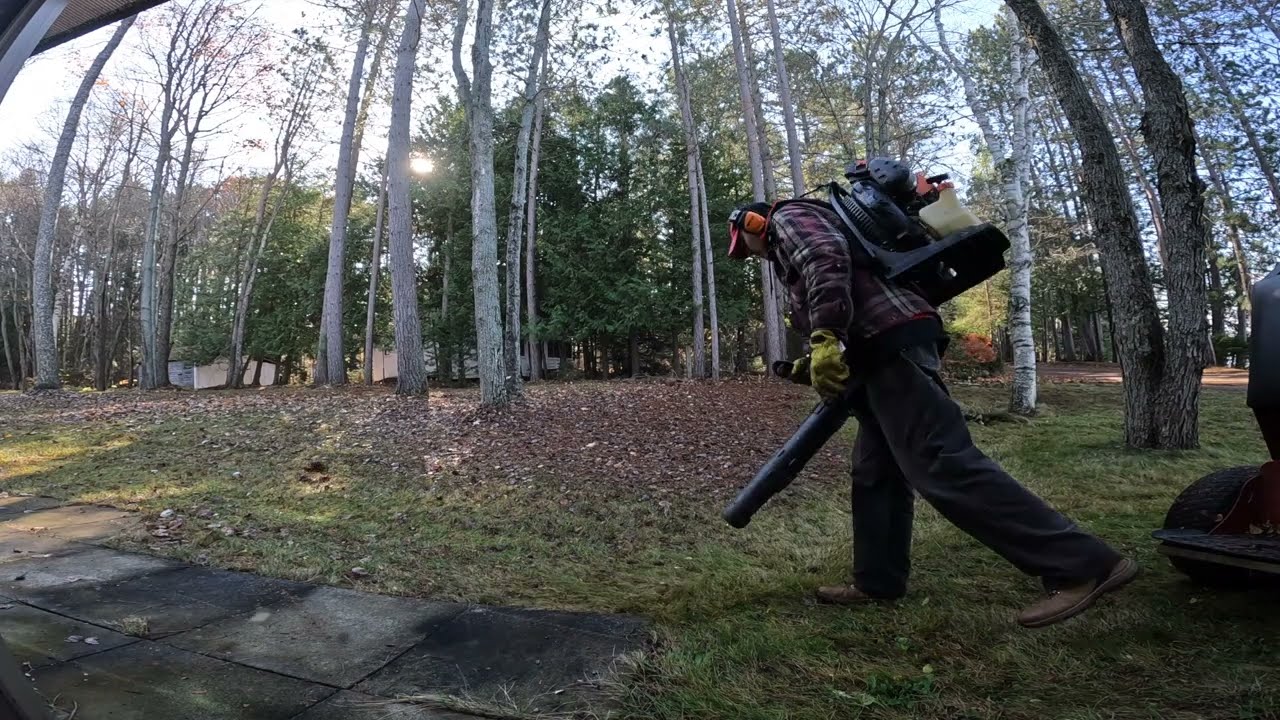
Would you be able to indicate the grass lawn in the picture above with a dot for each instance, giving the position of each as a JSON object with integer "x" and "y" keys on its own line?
{"x": 607, "y": 497}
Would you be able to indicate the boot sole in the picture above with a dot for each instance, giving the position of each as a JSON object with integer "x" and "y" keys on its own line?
{"x": 1122, "y": 575}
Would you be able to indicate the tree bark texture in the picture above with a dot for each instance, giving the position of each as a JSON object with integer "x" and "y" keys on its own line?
{"x": 1238, "y": 111}
{"x": 1012, "y": 159}
{"x": 1170, "y": 136}
{"x": 695, "y": 207}
{"x": 411, "y": 368}
{"x": 1139, "y": 335}
{"x": 42, "y": 267}
{"x": 519, "y": 196}
{"x": 709, "y": 256}
{"x": 331, "y": 367}
{"x": 531, "y": 245}
{"x": 784, "y": 97}
{"x": 375, "y": 268}
{"x": 772, "y": 312}
{"x": 476, "y": 92}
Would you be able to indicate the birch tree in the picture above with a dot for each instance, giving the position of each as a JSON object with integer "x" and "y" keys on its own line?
{"x": 1139, "y": 336}
{"x": 1012, "y": 159}
{"x": 45, "y": 344}
{"x": 411, "y": 378}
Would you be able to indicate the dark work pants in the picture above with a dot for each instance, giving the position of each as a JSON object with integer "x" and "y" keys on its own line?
{"x": 913, "y": 435}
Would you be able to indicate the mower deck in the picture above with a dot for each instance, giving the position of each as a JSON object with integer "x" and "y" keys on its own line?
{"x": 1252, "y": 552}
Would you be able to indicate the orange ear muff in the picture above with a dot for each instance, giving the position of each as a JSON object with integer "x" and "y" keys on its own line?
{"x": 754, "y": 223}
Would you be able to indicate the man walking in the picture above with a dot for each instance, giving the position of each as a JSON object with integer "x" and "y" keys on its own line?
{"x": 911, "y": 434}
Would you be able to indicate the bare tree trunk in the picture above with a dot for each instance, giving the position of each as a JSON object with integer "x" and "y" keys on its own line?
{"x": 1232, "y": 220}
{"x": 1012, "y": 160}
{"x": 633, "y": 353}
{"x": 1139, "y": 335}
{"x": 18, "y": 333}
{"x": 530, "y": 252}
{"x": 762, "y": 127}
{"x": 784, "y": 97}
{"x": 1068, "y": 339}
{"x": 147, "y": 312}
{"x": 1135, "y": 157}
{"x": 1237, "y": 110}
{"x": 370, "y": 80}
{"x": 444, "y": 358}
{"x": 374, "y": 268}
{"x": 709, "y": 256}
{"x": 695, "y": 207}
{"x": 1170, "y": 135}
{"x": 1217, "y": 297}
{"x": 476, "y": 94}
{"x": 330, "y": 366}
{"x": 772, "y": 311}
{"x": 42, "y": 270}
{"x": 411, "y": 378}
{"x": 244, "y": 296}
{"x": 169, "y": 261}
{"x": 9, "y": 364}
{"x": 519, "y": 196}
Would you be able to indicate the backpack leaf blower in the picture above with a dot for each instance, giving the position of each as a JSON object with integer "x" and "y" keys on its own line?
{"x": 916, "y": 234}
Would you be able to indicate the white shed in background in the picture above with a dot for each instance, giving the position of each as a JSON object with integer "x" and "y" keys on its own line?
{"x": 201, "y": 377}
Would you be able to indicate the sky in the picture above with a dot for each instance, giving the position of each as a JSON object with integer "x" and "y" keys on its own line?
{"x": 33, "y": 108}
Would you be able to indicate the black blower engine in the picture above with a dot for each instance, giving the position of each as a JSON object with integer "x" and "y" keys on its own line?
{"x": 881, "y": 212}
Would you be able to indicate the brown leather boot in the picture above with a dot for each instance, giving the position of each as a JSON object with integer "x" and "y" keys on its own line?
{"x": 1069, "y": 602}
{"x": 843, "y": 595}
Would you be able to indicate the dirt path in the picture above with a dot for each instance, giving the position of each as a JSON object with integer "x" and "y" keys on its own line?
{"x": 1110, "y": 373}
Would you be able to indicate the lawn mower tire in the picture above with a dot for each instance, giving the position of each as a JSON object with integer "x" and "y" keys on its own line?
{"x": 1201, "y": 507}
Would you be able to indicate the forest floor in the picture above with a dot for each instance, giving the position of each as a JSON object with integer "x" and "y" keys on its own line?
{"x": 606, "y": 497}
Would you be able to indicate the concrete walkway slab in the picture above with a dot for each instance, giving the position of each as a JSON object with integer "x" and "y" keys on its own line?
{"x": 13, "y": 505}
{"x": 15, "y": 546}
{"x": 78, "y": 566}
{"x": 508, "y": 660}
{"x": 88, "y": 523}
{"x": 332, "y": 635}
{"x": 150, "y": 681}
{"x": 170, "y": 601}
{"x": 348, "y": 705}
{"x": 40, "y": 638}
{"x": 208, "y": 644}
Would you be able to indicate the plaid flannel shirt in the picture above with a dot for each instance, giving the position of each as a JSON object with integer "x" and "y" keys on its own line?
{"x": 831, "y": 290}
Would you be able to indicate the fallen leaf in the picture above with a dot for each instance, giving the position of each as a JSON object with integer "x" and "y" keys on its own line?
{"x": 358, "y": 572}
{"x": 74, "y": 638}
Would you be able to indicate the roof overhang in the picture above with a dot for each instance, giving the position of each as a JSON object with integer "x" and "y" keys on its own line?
{"x": 85, "y": 16}
{"x": 28, "y": 27}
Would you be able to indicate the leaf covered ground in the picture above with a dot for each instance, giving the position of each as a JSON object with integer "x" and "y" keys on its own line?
{"x": 606, "y": 496}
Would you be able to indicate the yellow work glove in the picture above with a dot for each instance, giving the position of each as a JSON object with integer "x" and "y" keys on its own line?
{"x": 800, "y": 371}
{"x": 827, "y": 367}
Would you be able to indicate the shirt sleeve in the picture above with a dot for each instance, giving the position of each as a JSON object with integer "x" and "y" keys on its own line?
{"x": 819, "y": 252}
